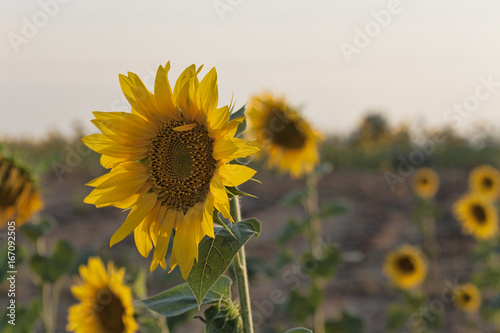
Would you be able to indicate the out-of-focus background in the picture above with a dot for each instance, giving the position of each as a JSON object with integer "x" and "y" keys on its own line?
{"x": 384, "y": 81}
{"x": 412, "y": 59}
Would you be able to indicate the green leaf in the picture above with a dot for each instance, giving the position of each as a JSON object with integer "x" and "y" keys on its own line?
{"x": 35, "y": 231}
{"x": 243, "y": 125}
{"x": 217, "y": 220}
{"x": 300, "y": 306}
{"x": 299, "y": 330}
{"x": 51, "y": 268}
{"x": 326, "y": 265}
{"x": 63, "y": 255}
{"x": 180, "y": 299}
{"x": 332, "y": 209}
{"x": 25, "y": 318}
{"x": 216, "y": 254}
{"x": 293, "y": 228}
{"x": 346, "y": 323}
{"x": 294, "y": 197}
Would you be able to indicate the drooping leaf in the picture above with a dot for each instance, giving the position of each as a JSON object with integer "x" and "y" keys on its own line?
{"x": 180, "y": 299}
{"x": 216, "y": 254}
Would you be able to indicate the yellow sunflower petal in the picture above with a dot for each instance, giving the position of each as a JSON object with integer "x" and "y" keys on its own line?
{"x": 134, "y": 218}
{"x": 234, "y": 174}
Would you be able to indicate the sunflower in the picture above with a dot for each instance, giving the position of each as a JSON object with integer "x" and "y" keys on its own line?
{"x": 289, "y": 140}
{"x": 19, "y": 197}
{"x": 105, "y": 302}
{"x": 485, "y": 180}
{"x": 169, "y": 163}
{"x": 467, "y": 297}
{"x": 405, "y": 267}
{"x": 425, "y": 183}
{"x": 477, "y": 215}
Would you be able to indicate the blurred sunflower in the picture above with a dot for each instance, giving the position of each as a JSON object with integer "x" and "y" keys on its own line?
{"x": 467, "y": 297}
{"x": 19, "y": 197}
{"x": 425, "y": 183}
{"x": 105, "y": 302}
{"x": 290, "y": 142}
{"x": 406, "y": 267}
{"x": 485, "y": 180}
{"x": 477, "y": 215}
{"x": 169, "y": 163}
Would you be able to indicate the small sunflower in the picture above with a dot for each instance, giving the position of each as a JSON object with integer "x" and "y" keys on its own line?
{"x": 169, "y": 163}
{"x": 19, "y": 197}
{"x": 105, "y": 302}
{"x": 425, "y": 183}
{"x": 405, "y": 267}
{"x": 485, "y": 180}
{"x": 477, "y": 215}
{"x": 467, "y": 297}
{"x": 290, "y": 141}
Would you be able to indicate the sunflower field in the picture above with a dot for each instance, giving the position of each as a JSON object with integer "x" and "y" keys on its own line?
{"x": 195, "y": 204}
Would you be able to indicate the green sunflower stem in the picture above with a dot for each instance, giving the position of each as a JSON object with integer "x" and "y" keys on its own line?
{"x": 48, "y": 316}
{"x": 312, "y": 207}
{"x": 240, "y": 269}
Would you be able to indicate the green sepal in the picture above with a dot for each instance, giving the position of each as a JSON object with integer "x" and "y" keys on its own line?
{"x": 238, "y": 114}
{"x": 234, "y": 191}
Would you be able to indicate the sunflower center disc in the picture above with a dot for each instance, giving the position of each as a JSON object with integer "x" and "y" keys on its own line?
{"x": 478, "y": 213}
{"x": 406, "y": 265}
{"x": 109, "y": 310}
{"x": 466, "y": 298}
{"x": 283, "y": 131}
{"x": 424, "y": 181}
{"x": 181, "y": 165}
{"x": 487, "y": 183}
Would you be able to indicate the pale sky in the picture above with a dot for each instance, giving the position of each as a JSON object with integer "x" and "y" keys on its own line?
{"x": 427, "y": 56}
